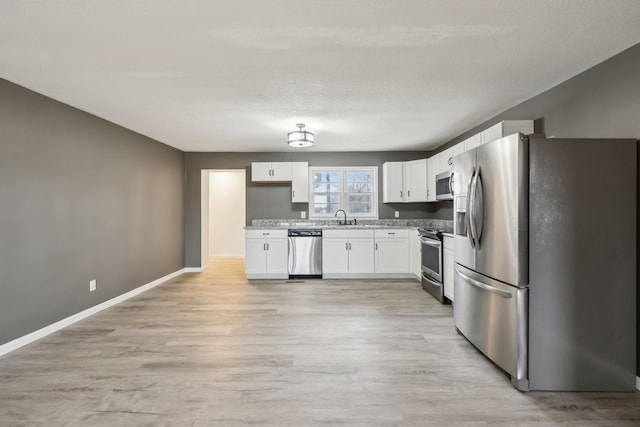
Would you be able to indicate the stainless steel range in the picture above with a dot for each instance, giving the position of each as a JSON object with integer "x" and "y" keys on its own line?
{"x": 432, "y": 274}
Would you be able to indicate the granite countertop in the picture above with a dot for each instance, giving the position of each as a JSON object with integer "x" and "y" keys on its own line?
{"x": 325, "y": 226}
{"x": 258, "y": 224}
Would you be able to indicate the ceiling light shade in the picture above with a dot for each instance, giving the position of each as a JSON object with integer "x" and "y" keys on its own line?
{"x": 300, "y": 138}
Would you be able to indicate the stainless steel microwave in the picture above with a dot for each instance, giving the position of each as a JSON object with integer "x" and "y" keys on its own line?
{"x": 444, "y": 186}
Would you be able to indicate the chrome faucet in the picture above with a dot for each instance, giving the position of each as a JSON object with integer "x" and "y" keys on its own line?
{"x": 345, "y": 216}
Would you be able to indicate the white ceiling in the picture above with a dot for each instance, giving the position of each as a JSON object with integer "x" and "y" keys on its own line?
{"x": 364, "y": 75}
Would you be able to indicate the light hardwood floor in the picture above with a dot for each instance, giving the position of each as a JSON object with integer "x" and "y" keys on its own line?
{"x": 214, "y": 349}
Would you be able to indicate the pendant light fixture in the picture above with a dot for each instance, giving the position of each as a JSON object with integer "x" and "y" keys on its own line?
{"x": 300, "y": 138}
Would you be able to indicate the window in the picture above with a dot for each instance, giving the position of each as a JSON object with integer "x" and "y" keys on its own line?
{"x": 354, "y": 189}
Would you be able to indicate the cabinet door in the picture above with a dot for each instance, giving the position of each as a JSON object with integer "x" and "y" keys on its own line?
{"x": 455, "y": 150}
{"x": 255, "y": 260}
{"x": 472, "y": 142}
{"x": 415, "y": 182}
{"x": 392, "y": 256}
{"x": 277, "y": 256}
{"x": 281, "y": 171}
{"x": 300, "y": 182}
{"x": 361, "y": 255}
{"x": 260, "y": 171}
{"x": 392, "y": 182}
{"x": 335, "y": 257}
{"x": 492, "y": 133}
{"x": 433, "y": 165}
{"x": 447, "y": 268}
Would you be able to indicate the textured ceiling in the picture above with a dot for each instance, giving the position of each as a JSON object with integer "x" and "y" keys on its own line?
{"x": 365, "y": 75}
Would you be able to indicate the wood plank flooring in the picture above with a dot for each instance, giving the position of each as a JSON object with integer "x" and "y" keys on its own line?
{"x": 213, "y": 349}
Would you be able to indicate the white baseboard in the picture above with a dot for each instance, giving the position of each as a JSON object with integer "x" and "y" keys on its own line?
{"x": 193, "y": 270}
{"x": 54, "y": 327}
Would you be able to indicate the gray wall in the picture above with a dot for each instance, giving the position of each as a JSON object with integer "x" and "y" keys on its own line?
{"x": 81, "y": 199}
{"x": 602, "y": 102}
{"x": 273, "y": 201}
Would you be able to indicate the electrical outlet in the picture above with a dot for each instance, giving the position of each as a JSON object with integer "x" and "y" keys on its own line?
{"x": 303, "y": 214}
{"x": 93, "y": 285}
{"x": 397, "y": 214}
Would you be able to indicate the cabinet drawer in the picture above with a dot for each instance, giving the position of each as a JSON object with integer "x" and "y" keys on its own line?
{"x": 265, "y": 233}
{"x": 346, "y": 233}
{"x": 388, "y": 232}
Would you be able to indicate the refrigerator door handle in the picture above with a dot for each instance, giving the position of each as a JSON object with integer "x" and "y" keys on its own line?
{"x": 469, "y": 219}
{"x": 477, "y": 206}
{"x": 483, "y": 286}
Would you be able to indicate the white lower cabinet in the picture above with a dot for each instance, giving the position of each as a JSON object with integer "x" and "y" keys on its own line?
{"x": 347, "y": 252}
{"x": 379, "y": 253}
{"x": 448, "y": 266}
{"x": 392, "y": 251}
{"x": 266, "y": 254}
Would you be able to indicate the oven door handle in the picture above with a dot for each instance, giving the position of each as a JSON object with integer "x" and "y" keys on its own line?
{"x": 483, "y": 286}
{"x": 431, "y": 243}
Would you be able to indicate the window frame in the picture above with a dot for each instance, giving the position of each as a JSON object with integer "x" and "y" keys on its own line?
{"x": 343, "y": 191}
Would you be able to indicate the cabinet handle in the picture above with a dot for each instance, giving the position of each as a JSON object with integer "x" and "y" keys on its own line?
{"x": 400, "y": 193}
{"x": 391, "y": 233}
{"x": 346, "y": 246}
{"x": 376, "y": 246}
{"x": 264, "y": 246}
{"x": 293, "y": 193}
{"x": 408, "y": 193}
{"x": 349, "y": 246}
{"x": 265, "y": 234}
{"x": 267, "y": 246}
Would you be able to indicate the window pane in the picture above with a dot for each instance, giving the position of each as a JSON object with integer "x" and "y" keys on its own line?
{"x": 326, "y": 187}
{"x": 326, "y": 177}
{"x": 358, "y": 208}
{"x": 359, "y": 198}
{"x": 326, "y": 198}
{"x": 325, "y": 208}
{"x": 359, "y": 177}
{"x": 352, "y": 189}
{"x": 359, "y": 187}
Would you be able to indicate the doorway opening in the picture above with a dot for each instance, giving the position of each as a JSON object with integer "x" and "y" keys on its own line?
{"x": 223, "y": 214}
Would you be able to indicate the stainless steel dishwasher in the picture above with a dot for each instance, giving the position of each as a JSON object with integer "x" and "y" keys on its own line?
{"x": 305, "y": 253}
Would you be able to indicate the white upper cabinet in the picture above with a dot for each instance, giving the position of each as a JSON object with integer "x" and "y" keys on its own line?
{"x": 393, "y": 182}
{"x": 472, "y": 142}
{"x": 415, "y": 180}
{"x": 454, "y": 151}
{"x": 295, "y": 172}
{"x": 404, "y": 182}
{"x": 265, "y": 172}
{"x": 300, "y": 182}
{"x": 507, "y": 127}
{"x": 433, "y": 169}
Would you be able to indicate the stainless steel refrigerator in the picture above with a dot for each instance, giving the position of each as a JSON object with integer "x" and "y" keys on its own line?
{"x": 545, "y": 252}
